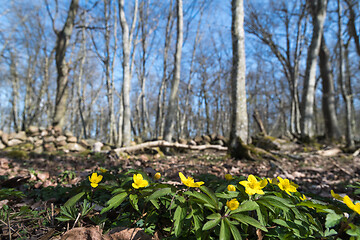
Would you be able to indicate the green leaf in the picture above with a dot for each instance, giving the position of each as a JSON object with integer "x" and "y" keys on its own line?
{"x": 155, "y": 203}
{"x": 179, "y": 215}
{"x": 115, "y": 201}
{"x": 215, "y": 219}
{"x": 203, "y": 198}
{"x": 354, "y": 231}
{"x": 261, "y": 216}
{"x": 248, "y": 220}
{"x": 329, "y": 232}
{"x": 214, "y": 216}
{"x": 234, "y": 230}
{"x": 159, "y": 193}
{"x": 245, "y": 206}
{"x": 297, "y": 229}
{"x": 64, "y": 219}
{"x": 134, "y": 201}
{"x": 311, "y": 204}
{"x": 228, "y": 195}
{"x": 72, "y": 201}
{"x": 332, "y": 219}
{"x": 224, "y": 230}
{"x": 211, "y": 194}
{"x": 278, "y": 202}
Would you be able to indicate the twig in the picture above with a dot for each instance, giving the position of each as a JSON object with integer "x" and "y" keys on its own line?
{"x": 77, "y": 218}
{"x": 10, "y": 228}
{"x": 8, "y": 220}
{"x": 52, "y": 214}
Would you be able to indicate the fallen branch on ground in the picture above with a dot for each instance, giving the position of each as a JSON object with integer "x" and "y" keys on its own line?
{"x": 162, "y": 143}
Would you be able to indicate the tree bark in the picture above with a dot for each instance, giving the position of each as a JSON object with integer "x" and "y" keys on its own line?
{"x": 162, "y": 90}
{"x": 15, "y": 91}
{"x": 62, "y": 42}
{"x": 259, "y": 122}
{"x": 351, "y": 24}
{"x": 126, "y": 42}
{"x": 332, "y": 131}
{"x": 108, "y": 72}
{"x": 239, "y": 117}
{"x": 308, "y": 96}
{"x": 172, "y": 105}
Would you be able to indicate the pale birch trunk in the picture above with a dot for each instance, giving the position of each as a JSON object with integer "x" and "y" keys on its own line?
{"x": 172, "y": 105}
{"x": 159, "y": 123}
{"x": 343, "y": 79}
{"x": 239, "y": 117}
{"x": 126, "y": 44}
{"x": 308, "y": 96}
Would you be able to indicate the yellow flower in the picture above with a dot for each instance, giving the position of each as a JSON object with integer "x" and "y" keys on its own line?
{"x": 95, "y": 179}
{"x": 232, "y": 204}
{"x": 231, "y": 188}
{"x": 253, "y": 186}
{"x": 157, "y": 176}
{"x": 303, "y": 198}
{"x": 287, "y": 186}
{"x": 351, "y": 205}
{"x": 228, "y": 177}
{"x": 189, "y": 181}
{"x": 139, "y": 182}
{"x": 336, "y": 196}
{"x": 103, "y": 170}
{"x": 273, "y": 181}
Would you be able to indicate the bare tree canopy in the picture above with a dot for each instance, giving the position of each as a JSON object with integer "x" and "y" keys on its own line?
{"x": 127, "y": 72}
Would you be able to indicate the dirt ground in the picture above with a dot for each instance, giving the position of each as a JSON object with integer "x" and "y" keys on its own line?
{"x": 315, "y": 171}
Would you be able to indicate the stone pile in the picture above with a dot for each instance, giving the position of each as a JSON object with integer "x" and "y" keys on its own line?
{"x": 52, "y": 139}
{"x": 212, "y": 139}
{"x": 40, "y": 139}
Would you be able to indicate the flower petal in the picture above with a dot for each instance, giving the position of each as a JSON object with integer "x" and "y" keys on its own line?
{"x": 348, "y": 202}
{"x": 336, "y": 196}
{"x": 252, "y": 178}
{"x": 244, "y": 183}
{"x": 263, "y": 183}
{"x": 182, "y": 177}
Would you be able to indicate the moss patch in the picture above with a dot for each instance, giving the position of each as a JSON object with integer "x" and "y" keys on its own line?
{"x": 18, "y": 154}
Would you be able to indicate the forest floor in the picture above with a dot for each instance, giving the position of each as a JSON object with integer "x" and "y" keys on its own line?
{"x": 316, "y": 170}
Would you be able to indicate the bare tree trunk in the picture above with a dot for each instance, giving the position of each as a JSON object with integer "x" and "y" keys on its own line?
{"x": 188, "y": 88}
{"x": 142, "y": 115}
{"x": 345, "y": 90}
{"x": 109, "y": 79}
{"x": 332, "y": 131}
{"x": 239, "y": 117}
{"x": 162, "y": 90}
{"x": 259, "y": 122}
{"x": 62, "y": 42}
{"x": 172, "y": 105}
{"x": 120, "y": 121}
{"x": 308, "y": 96}
{"x": 351, "y": 23}
{"x": 80, "y": 97}
{"x": 15, "y": 91}
{"x": 126, "y": 42}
